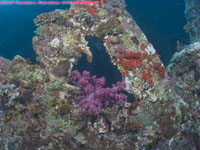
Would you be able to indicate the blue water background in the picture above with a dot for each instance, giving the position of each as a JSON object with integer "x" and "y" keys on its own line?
{"x": 17, "y": 28}
{"x": 161, "y": 20}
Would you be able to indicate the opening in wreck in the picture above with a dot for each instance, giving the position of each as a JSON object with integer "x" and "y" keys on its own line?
{"x": 101, "y": 64}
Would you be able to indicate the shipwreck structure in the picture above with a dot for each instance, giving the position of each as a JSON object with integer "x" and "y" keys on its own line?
{"x": 38, "y": 107}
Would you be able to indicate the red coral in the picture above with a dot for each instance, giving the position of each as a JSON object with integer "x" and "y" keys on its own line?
{"x": 194, "y": 115}
{"x": 92, "y": 10}
{"x": 28, "y": 61}
{"x": 160, "y": 69}
{"x": 138, "y": 63}
{"x": 133, "y": 59}
{"x": 131, "y": 63}
{"x": 187, "y": 88}
{"x": 129, "y": 55}
{"x": 66, "y": 19}
{"x": 100, "y": 4}
{"x": 144, "y": 55}
{"x": 147, "y": 75}
{"x": 134, "y": 104}
{"x": 125, "y": 64}
{"x": 162, "y": 72}
{"x": 121, "y": 58}
{"x": 144, "y": 77}
{"x": 125, "y": 73}
{"x": 140, "y": 56}
{"x": 73, "y": 11}
{"x": 151, "y": 82}
{"x": 105, "y": 40}
{"x": 143, "y": 46}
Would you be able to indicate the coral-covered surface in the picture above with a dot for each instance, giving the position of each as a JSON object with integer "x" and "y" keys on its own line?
{"x": 40, "y": 107}
{"x": 192, "y": 13}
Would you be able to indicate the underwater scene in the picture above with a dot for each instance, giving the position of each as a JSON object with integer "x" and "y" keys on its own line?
{"x": 100, "y": 75}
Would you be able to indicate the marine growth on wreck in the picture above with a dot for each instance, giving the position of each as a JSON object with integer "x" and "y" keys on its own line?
{"x": 51, "y": 106}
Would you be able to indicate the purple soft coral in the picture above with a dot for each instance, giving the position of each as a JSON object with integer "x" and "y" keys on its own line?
{"x": 93, "y": 96}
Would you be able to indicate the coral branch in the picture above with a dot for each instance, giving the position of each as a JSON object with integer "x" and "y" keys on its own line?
{"x": 94, "y": 96}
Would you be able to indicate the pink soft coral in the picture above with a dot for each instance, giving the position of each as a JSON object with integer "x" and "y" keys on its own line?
{"x": 93, "y": 96}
